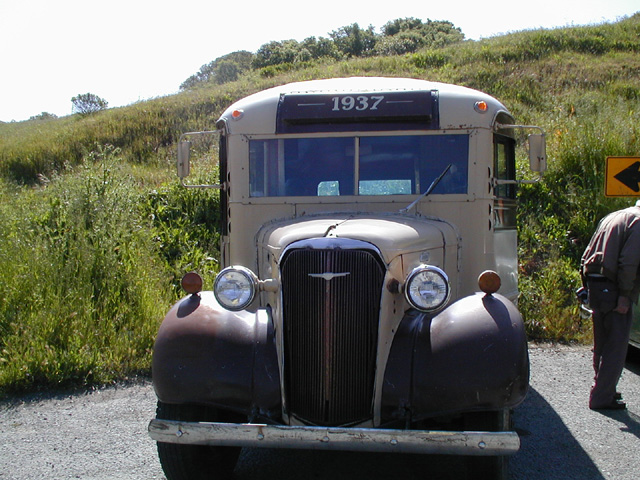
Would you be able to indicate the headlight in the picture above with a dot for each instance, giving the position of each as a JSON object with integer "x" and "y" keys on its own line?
{"x": 427, "y": 288}
{"x": 235, "y": 288}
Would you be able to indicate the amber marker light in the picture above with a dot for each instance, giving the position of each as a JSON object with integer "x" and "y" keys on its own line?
{"x": 481, "y": 106}
{"x": 192, "y": 283}
{"x": 489, "y": 282}
{"x": 237, "y": 114}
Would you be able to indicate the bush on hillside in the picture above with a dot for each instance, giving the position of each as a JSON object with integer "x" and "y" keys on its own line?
{"x": 88, "y": 103}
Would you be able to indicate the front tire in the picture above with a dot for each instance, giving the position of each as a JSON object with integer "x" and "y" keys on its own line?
{"x": 195, "y": 462}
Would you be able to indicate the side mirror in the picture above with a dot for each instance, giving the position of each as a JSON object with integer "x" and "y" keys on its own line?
{"x": 538, "y": 152}
{"x": 184, "y": 154}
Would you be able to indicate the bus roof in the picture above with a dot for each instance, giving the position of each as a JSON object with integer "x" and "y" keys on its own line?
{"x": 457, "y": 106}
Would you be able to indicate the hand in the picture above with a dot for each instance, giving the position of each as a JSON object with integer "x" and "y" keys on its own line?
{"x": 623, "y": 305}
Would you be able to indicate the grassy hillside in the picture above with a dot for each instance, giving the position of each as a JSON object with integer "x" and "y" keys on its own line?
{"x": 96, "y": 231}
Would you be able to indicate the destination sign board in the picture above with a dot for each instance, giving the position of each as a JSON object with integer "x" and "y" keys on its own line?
{"x": 324, "y": 112}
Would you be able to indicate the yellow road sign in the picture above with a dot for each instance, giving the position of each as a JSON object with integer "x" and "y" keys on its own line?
{"x": 622, "y": 177}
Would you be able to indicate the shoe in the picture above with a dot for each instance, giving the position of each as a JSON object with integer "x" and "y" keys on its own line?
{"x": 615, "y": 405}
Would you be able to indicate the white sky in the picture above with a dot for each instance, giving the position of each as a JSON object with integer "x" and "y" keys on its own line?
{"x": 130, "y": 50}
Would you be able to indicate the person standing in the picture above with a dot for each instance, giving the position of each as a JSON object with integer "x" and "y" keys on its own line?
{"x": 609, "y": 269}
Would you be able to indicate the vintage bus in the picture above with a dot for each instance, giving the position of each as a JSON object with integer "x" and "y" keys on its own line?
{"x": 369, "y": 278}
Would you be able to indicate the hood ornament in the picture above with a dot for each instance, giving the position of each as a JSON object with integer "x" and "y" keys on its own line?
{"x": 328, "y": 275}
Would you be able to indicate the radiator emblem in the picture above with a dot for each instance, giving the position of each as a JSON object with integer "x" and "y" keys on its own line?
{"x": 329, "y": 275}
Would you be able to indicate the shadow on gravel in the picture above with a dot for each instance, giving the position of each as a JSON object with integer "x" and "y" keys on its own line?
{"x": 548, "y": 450}
{"x": 628, "y": 418}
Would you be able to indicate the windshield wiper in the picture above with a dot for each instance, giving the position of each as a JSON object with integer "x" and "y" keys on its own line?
{"x": 429, "y": 190}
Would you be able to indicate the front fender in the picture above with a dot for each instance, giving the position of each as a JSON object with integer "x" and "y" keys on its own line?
{"x": 471, "y": 356}
{"x": 205, "y": 354}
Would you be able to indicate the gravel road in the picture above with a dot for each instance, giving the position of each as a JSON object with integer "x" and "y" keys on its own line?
{"x": 102, "y": 435}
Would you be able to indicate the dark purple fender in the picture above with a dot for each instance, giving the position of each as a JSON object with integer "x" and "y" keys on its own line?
{"x": 207, "y": 355}
{"x": 471, "y": 356}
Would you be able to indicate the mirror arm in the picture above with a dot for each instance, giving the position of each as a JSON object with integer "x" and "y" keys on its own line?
{"x": 219, "y": 186}
{"x": 504, "y": 126}
{"x": 495, "y": 182}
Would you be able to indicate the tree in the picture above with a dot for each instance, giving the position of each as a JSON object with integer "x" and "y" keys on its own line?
{"x": 399, "y": 44}
{"x": 401, "y": 25}
{"x": 353, "y": 41}
{"x": 321, "y": 48}
{"x": 441, "y": 32}
{"x": 409, "y": 34}
{"x": 44, "y": 116}
{"x": 88, "y": 103}
{"x": 277, "y": 53}
{"x": 222, "y": 70}
{"x": 398, "y": 37}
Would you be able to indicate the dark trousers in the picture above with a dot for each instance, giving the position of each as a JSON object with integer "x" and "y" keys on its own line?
{"x": 611, "y": 332}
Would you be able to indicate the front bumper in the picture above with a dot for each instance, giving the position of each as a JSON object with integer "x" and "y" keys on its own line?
{"x": 334, "y": 438}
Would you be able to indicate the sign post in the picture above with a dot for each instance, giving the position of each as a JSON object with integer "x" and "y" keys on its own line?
{"x": 622, "y": 177}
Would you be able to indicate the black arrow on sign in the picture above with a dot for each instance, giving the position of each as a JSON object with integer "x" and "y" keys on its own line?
{"x": 630, "y": 176}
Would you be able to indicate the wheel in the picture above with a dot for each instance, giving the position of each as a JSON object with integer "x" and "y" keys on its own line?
{"x": 195, "y": 462}
{"x": 488, "y": 467}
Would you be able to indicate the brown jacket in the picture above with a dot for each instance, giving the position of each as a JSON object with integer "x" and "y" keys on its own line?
{"x": 614, "y": 251}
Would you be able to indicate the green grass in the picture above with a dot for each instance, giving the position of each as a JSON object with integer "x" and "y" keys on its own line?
{"x": 89, "y": 264}
{"x": 97, "y": 232}
{"x": 80, "y": 280}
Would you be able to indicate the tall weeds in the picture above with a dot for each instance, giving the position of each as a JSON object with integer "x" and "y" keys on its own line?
{"x": 81, "y": 289}
{"x": 558, "y": 216}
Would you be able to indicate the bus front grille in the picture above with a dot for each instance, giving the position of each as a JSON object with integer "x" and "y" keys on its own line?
{"x": 331, "y": 305}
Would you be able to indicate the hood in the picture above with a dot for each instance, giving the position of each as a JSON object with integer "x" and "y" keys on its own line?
{"x": 392, "y": 234}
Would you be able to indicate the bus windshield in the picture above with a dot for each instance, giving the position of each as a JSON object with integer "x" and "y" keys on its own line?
{"x": 378, "y": 165}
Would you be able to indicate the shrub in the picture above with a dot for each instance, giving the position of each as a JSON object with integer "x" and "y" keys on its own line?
{"x": 88, "y": 103}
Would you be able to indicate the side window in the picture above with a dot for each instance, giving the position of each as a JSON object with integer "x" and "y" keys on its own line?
{"x": 504, "y": 165}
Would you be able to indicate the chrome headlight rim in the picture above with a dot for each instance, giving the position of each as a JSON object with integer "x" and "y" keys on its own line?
{"x": 438, "y": 275}
{"x": 248, "y": 287}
